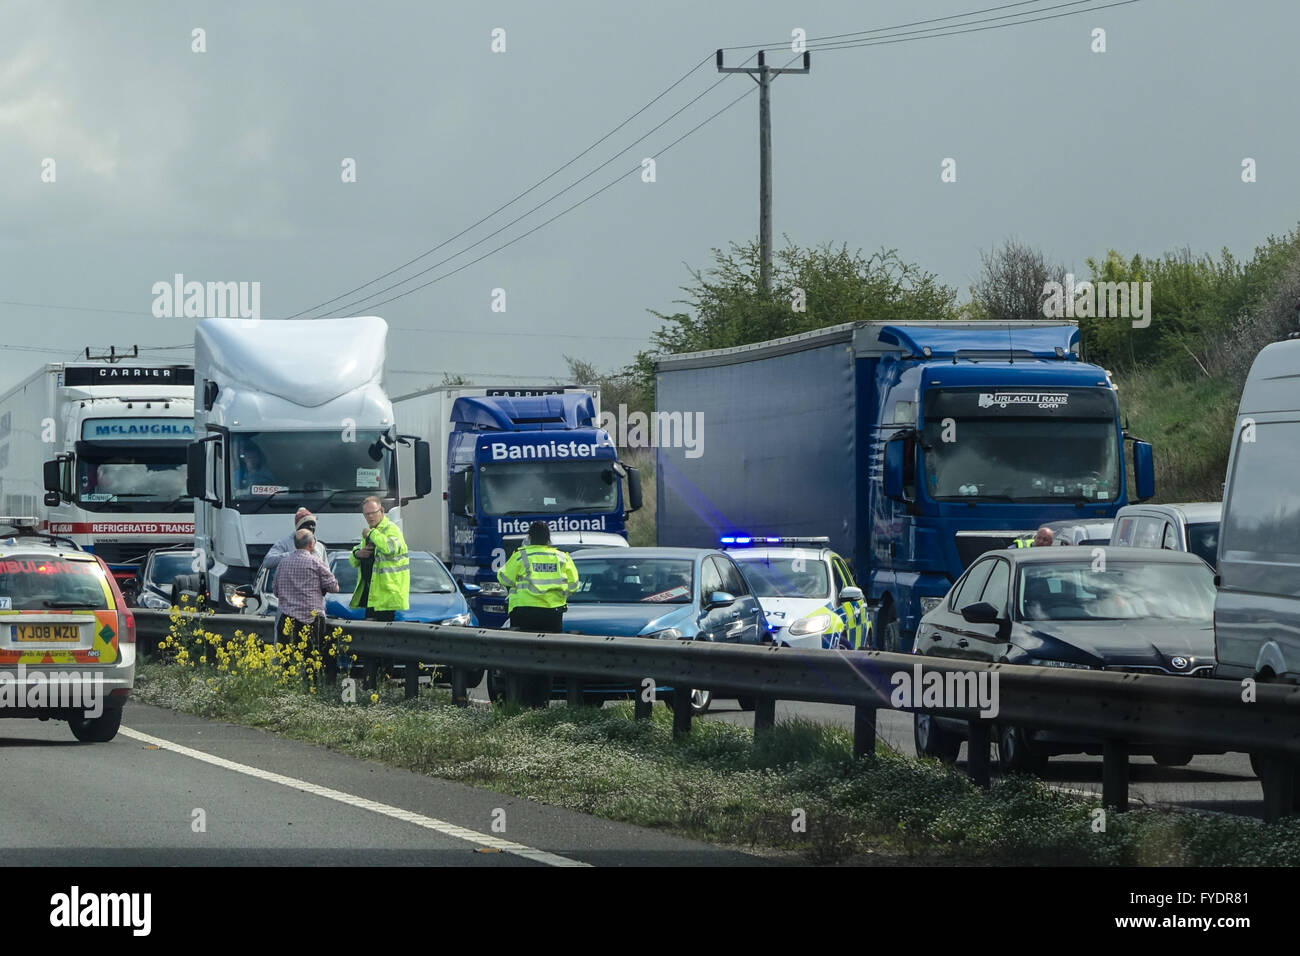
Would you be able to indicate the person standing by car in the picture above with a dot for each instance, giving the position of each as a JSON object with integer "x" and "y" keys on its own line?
{"x": 1043, "y": 538}
{"x": 539, "y": 580}
{"x": 384, "y": 582}
{"x": 303, "y": 520}
{"x": 301, "y": 582}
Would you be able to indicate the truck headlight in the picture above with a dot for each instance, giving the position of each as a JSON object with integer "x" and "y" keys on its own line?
{"x": 807, "y": 626}
{"x": 233, "y": 599}
{"x": 491, "y": 589}
{"x": 928, "y": 604}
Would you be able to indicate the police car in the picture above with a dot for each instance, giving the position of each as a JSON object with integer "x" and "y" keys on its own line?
{"x": 806, "y": 591}
{"x": 67, "y": 636}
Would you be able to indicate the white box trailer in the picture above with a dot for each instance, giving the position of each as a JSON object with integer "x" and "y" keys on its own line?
{"x": 95, "y": 451}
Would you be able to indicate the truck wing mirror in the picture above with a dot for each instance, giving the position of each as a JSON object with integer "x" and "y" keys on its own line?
{"x": 456, "y": 494}
{"x": 894, "y": 467}
{"x": 423, "y": 470}
{"x": 52, "y": 478}
{"x": 196, "y": 471}
{"x": 1144, "y": 473}
{"x": 634, "y": 499}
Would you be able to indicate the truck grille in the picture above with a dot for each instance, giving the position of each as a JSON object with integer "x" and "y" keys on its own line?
{"x": 972, "y": 544}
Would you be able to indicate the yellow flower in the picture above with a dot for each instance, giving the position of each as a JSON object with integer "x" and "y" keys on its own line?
{"x": 374, "y": 698}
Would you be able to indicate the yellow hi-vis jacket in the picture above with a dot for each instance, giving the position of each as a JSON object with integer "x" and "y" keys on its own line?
{"x": 390, "y": 578}
{"x": 538, "y": 575}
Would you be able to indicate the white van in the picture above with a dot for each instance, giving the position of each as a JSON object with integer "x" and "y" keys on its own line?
{"x": 1257, "y": 611}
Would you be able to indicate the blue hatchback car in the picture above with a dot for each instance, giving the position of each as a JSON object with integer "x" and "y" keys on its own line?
{"x": 671, "y": 593}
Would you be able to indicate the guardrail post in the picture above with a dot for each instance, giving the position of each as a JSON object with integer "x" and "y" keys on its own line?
{"x": 1277, "y": 776}
{"x": 573, "y": 691}
{"x": 681, "y": 712}
{"x": 514, "y": 687}
{"x": 412, "y": 674}
{"x": 764, "y": 714}
{"x": 1114, "y": 775}
{"x": 864, "y": 731}
{"x": 641, "y": 708}
{"x": 459, "y": 687}
{"x": 977, "y": 752}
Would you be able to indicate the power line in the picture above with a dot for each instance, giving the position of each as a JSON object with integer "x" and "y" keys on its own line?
{"x": 898, "y": 26}
{"x": 360, "y": 303}
{"x": 545, "y": 179}
{"x": 562, "y": 212}
{"x": 926, "y": 35}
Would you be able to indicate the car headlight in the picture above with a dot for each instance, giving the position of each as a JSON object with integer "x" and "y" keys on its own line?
{"x": 667, "y": 634}
{"x": 154, "y": 602}
{"x": 807, "y": 626}
{"x": 457, "y": 621}
{"x": 928, "y": 604}
{"x": 1042, "y": 662}
{"x": 233, "y": 599}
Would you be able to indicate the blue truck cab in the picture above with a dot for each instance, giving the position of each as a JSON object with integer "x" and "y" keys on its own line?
{"x": 512, "y": 457}
{"x": 918, "y": 446}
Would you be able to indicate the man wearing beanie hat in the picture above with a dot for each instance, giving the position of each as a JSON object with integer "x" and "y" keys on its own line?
{"x": 302, "y": 519}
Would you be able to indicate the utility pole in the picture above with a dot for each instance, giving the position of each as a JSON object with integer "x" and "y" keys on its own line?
{"x": 764, "y": 81}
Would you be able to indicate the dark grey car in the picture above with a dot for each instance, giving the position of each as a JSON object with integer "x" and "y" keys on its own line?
{"x": 1116, "y": 609}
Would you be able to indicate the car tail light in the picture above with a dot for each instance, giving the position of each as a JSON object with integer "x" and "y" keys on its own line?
{"x": 126, "y": 629}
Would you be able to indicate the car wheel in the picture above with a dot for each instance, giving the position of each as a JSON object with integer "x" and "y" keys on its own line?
{"x": 931, "y": 740}
{"x": 1017, "y": 754}
{"x": 700, "y": 701}
{"x": 890, "y": 635}
{"x": 1172, "y": 758}
{"x": 97, "y": 730}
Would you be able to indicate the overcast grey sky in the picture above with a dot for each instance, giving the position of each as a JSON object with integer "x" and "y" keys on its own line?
{"x": 225, "y": 165}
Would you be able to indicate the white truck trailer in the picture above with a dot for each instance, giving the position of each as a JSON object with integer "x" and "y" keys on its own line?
{"x": 95, "y": 450}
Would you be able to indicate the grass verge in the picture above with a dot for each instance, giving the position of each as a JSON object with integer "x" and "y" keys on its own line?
{"x": 797, "y": 791}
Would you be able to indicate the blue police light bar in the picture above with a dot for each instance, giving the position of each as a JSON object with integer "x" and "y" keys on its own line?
{"x": 741, "y": 540}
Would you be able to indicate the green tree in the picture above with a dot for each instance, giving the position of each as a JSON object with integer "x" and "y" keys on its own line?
{"x": 812, "y": 288}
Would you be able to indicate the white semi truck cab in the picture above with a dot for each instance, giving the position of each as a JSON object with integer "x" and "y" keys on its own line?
{"x": 291, "y": 414}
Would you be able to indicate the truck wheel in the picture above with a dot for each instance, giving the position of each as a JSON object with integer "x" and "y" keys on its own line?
{"x": 97, "y": 730}
{"x": 931, "y": 740}
{"x": 890, "y": 635}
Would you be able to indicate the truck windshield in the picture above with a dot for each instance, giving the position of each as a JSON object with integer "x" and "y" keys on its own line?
{"x": 548, "y": 487}
{"x": 1021, "y": 446}
{"x": 132, "y": 479}
{"x": 277, "y": 469}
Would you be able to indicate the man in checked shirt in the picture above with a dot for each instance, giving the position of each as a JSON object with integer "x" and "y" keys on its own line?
{"x": 301, "y": 583}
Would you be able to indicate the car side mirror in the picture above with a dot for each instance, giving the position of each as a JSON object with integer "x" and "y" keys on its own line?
{"x": 848, "y": 595}
{"x": 981, "y": 613}
{"x": 720, "y": 599}
{"x": 469, "y": 588}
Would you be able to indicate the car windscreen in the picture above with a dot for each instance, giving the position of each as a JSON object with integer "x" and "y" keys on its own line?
{"x": 792, "y": 577}
{"x": 1203, "y": 541}
{"x": 44, "y": 584}
{"x": 165, "y": 567}
{"x": 428, "y": 576}
{"x": 633, "y": 581}
{"x": 1116, "y": 591}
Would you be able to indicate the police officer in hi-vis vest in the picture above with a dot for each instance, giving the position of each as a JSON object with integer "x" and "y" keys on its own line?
{"x": 539, "y": 579}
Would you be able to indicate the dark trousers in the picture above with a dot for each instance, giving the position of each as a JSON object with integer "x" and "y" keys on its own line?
{"x": 376, "y": 665}
{"x": 535, "y": 689}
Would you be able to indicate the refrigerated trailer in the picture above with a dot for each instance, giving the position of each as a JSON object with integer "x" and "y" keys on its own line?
{"x": 95, "y": 451}
{"x": 914, "y": 446}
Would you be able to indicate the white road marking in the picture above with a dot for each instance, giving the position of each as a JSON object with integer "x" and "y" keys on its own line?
{"x": 397, "y": 813}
